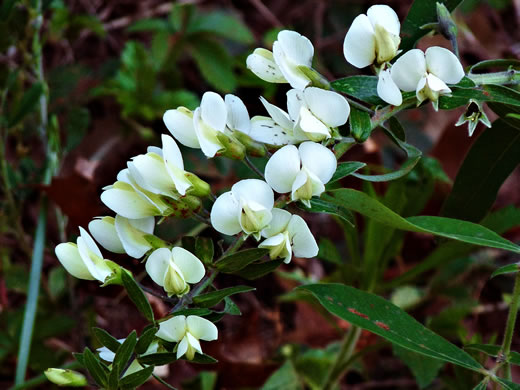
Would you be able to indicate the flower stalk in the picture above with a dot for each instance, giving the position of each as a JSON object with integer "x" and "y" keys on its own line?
{"x": 510, "y": 325}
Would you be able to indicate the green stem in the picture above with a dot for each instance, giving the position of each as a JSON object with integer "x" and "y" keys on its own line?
{"x": 510, "y": 325}
{"x": 163, "y": 382}
{"x": 252, "y": 166}
{"x": 347, "y": 349}
{"x": 506, "y": 77}
{"x": 389, "y": 111}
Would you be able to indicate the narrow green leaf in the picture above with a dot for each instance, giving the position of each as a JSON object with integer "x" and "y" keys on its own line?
{"x": 26, "y": 105}
{"x": 322, "y": 206}
{"x": 137, "y": 296}
{"x": 421, "y": 12}
{"x": 204, "y": 249}
{"x": 285, "y": 378}
{"x": 484, "y": 93}
{"x": 507, "y": 269}
{"x": 345, "y": 169}
{"x": 383, "y": 318}
{"x": 201, "y": 359}
{"x": 212, "y": 298}
{"x": 137, "y": 378}
{"x": 145, "y": 340}
{"x": 158, "y": 359}
{"x": 444, "y": 227}
{"x": 224, "y": 24}
{"x": 489, "y": 162}
{"x": 360, "y": 124}
{"x": 498, "y": 63}
{"x": 106, "y": 339}
{"x": 361, "y": 87}
{"x": 424, "y": 369}
{"x": 153, "y": 24}
{"x": 237, "y": 261}
{"x": 482, "y": 385}
{"x": 328, "y": 251}
{"x": 397, "y": 128}
{"x": 193, "y": 311}
{"x": 493, "y": 350}
{"x": 124, "y": 353}
{"x": 255, "y": 271}
{"x": 507, "y": 384}
{"x": 94, "y": 367}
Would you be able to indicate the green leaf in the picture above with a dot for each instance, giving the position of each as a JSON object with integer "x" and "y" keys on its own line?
{"x": 498, "y": 63}
{"x": 201, "y": 359}
{"x": 78, "y": 121}
{"x": 137, "y": 296}
{"x": 106, "y": 339}
{"x": 214, "y": 63}
{"x": 489, "y": 162}
{"x": 224, "y": 24}
{"x": 506, "y": 269}
{"x": 507, "y": 384}
{"x": 145, "y": 340}
{"x": 328, "y": 251}
{"x": 153, "y": 24}
{"x": 193, "y": 311}
{"x": 285, "y": 378}
{"x": 360, "y": 124}
{"x": 424, "y": 369}
{"x": 345, "y": 169}
{"x": 484, "y": 93}
{"x": 158, "y": 359}
{"x": 482, "y": 385}
{"x": 137, "y": 378}
{"x": 95, "y": 367}
{"x": 204, "y": 249}
{"x": 383, "y": 318}
{"x": 124, "y": 353}
{"x": 444, "y": 227}
{"x": 323, "y": 206}
{"x": 212, "y": 298}
{"x": 255, "y": 271}
{"x": 361, "y": 87}
{"x": 27, "y": 104}
{"x": 494, "y": 350}
{"x": 237, "y": 261}
{"x": 421, "y": 12}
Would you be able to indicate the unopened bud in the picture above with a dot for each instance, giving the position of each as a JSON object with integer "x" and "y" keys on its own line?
{"x": 317, "y": 79}
{"x": 199, "y": 186}
{"x": 253, "y": 148}
{"x": 63, "y": 377}
{"x": 232, "y": 147}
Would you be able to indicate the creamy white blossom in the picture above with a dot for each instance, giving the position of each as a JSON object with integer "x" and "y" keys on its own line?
{"x": 247, "y": 207}
{"x": 302, "y": 171}
{"x": 174, "y": 269}
{"x": 373, "y": 37}
{"x": 123, "y": 235}
{"x": 427, "y": 73}
{"x": 84, "y": 260}
{"x": 288, "y": 234}
{"x": 187, "y": 331}
{"x": 291, "y": 51}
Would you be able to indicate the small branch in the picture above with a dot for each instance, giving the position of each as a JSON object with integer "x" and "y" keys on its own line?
{"x": 252, "y": 166}
{"x": 387, "y": 112}
{"x": 507, "y": 77}
{"x": 202, "y": 219}
{"x": 510, "y": 325}
{"x": 158, "y": 295}
{"x": 163, "y": 382}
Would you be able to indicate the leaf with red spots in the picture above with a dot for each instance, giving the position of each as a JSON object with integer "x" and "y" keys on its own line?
{"x": 377, "y": 315}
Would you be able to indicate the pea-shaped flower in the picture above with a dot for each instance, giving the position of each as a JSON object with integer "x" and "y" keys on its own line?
{"x": 302, "y": 171}
{"x": 373, "y": 37}
{"x": 174, "y": 269}
{"x": 84, "y": 260}
{"x": 427, "y": 73}
{"x": 291, "y": 51}
{"x": 123, "y": 235}
{"x": 187, "y": 331}
{"x": 247, "y": 207}
{"x": 288, "y": 234}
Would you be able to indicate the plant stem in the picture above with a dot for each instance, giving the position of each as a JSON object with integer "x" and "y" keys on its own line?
{"x": 510, "y": 325}
{"x": 389, "y": 111}
{"x": 347, "y": 349}
{"x": 252, "y": 166}
{"x": 506, "y": 77}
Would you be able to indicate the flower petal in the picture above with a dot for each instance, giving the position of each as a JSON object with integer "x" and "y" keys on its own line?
{"x": 254, "y": 190}
{"x": 182, "y": 348}
{"x": 262, "y": 64}
{"x": 122, "y": 199}
{"x": 385, "y": 17}
{"x": 171, "y": 151}
{"x": 282, "y": 168}
{"x": 132, "y": 236}
{"x": 264, "y": 129}
{"x": 213, "y": 111}
{"x": 104, "y": 231}
{"x": 152, "y": 171}
{"x": 278, "y": 223}
{"x": 193, "y": 342}
{"x": 180, "y": 123}
{"x": 294, "y": 76}
{"x": 172, "y": 330}
{"x": 409, "y": 69}
{"x": 304, "y": 243}
{"x": 313, "y": 128}
{"x": 437, "y": 85}
{"x": 97, "y": 267}
{"x": 237, "y": 117}
{"x": 89, "y": 241}
{"x": 444, "y": 64}
{"x": 191, "y": 267}
{"x": 207, "y": 136}
{"x": 172, "y": 158}
{"x": 318, "y": 160}
{"x": 225, "y": 214}
{"x": 201, "y": 328}
{"x": 295, "y": 100}
{"x": 388, "y": 90}
{"x": 297, "y": 48}
{"x": 157, "y": 265}
{"x": 328, "y": 106}
{"x": 359, "y": 47}
{"x": 278, "y": 115}
{"x": 69, "y": 257}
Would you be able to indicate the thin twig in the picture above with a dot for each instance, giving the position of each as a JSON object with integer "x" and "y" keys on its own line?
{"x": 250, "y": 164}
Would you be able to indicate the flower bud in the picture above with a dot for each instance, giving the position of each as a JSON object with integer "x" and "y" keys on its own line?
{"x": 174, "y": 283}
{"x": 185, "y": 207}
{"x": 232, "y": 147}
{"x": 63, "y": 377}
{"x": 253, "y": 148}
{"x": 317, "y": 79}
{"x": 199, "y": 186}
{"x": 115, "y": 276}
{"x": 386, "y": 44}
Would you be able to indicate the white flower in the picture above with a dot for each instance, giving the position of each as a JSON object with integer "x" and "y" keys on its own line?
{"x": 187, "y": 331}
{"x": 127, "y": 198}
{"x": 303, "y": 171}
{"x": 247, "y": 207}
{"x": 83, "y": 260}
{"x": 123, "y": 235}
{"x": 237, "y": 115}
{"x": 108, "y": 356}
{"x": 290, "y": 51}
{"x": 387, "y": 89}
{"x": 372, "y": 37}
{"x": 427, "y": 73}
{"x": 174, "y": 269}
{"x": 286, "y": 234}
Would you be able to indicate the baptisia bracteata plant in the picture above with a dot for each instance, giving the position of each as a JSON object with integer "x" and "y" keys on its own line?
{"x": 300, "y": 148}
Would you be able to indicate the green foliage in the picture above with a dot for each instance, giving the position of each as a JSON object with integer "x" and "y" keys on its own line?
{"x": 424, "y": 369}
{"x": 237, "y": 261}
{"x": 213, "y": 298}
{"x": 284, "y": 378}
{"x": 136, "y": 294}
